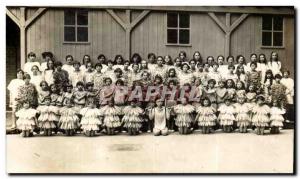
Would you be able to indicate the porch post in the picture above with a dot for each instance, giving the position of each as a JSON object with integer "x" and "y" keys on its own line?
{"x": 22, "y": 37}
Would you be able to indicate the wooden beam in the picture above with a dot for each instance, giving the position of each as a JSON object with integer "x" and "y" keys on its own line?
{"x": 117, "y": 18}
{"x": 128, "y": 44}
{"x": 139, "y": 18}
{"x": 128, "y": 16}
{"x": 227, "y": 35}
{"x": 238, "y": 21}
{"x": 218, "y": 22}
{"x": 279, "y": 10}
{"x": 35, "y": 15}
{"x": 22, "y": 37}
{"x": 13, "y": 17}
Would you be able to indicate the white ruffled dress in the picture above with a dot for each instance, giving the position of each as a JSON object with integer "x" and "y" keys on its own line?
{"x": 276, "y": 117}
{"x": 48, "y": 115}
{"x": 226, "y": 116}
{"x": 207, "y": 116}
{"x": 242, "y": 114}
{"x": 68, "y": 119}
{"x": 183, "y": 115}
{"x": 260, "y": 117}
{"x": 26, "y": 119}
{"x": 90, "y": 119}
{"x": 111, "y": 118}
{"x": 132, "y": 117}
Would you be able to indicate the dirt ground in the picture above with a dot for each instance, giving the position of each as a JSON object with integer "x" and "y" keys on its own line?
{"x": 212, "y": 153}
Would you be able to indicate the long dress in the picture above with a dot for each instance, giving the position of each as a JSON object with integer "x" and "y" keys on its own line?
{"x": 289, "y": 84}
{"x": 206, "y": 116}
{"x": 90, "y": 119}
{"x": 132, "y": 117}
{"x": 226, "y": 116}
{"x": 260, "y": 117}
{"x": 48, "y": 115}
{"x": 183, "y": 115}
{"x": 13, "y": 87}
{"x": 111, "y": 116}
{"x": 276, "y": 117}
{"x": 26, "y": 119}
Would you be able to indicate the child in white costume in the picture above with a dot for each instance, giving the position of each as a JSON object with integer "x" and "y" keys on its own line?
{"x": 206, "y": 116}
{"x": 111, "y": 118}
{"x": 226, "y": 116}
{"x": 69, "y": 120}
{"x": 90, "y": 121}
{"x": 183, "y": 118}
{"x": 276, "y": 117}
{"x": 132, "y": 118}
{"x": 48, "y": 116}
{"x": 260, "y": 117}
{"x": 27, "y": 119}
{"x": 242, "y": 111}
{"x": 160, "y": 115}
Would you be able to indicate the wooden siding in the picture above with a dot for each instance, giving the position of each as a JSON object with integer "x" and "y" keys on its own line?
{"x": 106, "y": 36}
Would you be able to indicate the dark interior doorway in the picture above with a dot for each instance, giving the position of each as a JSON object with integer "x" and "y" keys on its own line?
{"x": 12, "y": 52}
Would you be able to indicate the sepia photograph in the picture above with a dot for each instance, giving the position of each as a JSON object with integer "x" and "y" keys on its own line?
{"x": 150, "y": 89}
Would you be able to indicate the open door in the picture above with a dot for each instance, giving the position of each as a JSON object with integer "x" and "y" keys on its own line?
{"x": 12, "y": 53}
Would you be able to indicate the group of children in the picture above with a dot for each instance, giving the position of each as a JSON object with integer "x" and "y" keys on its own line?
{"x": 73, "y": 98}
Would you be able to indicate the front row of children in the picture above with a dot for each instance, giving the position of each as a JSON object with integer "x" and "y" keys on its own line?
{"x": 112, "y": 118}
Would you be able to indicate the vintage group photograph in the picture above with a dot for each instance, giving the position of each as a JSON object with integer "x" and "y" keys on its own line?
{"x": 150, "y": 89}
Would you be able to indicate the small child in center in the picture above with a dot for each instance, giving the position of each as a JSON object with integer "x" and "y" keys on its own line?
{"x": 260, "y": 117}
{"x": 206, "y": 116}
{"x": 160, "y": 114}
{"x": 90, "y": 121}
{"x": 132, "y": 118}
{"x": 226, "y": 116}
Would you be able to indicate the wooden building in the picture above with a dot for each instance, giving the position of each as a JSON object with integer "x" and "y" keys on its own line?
{"x": 162, "y": 30}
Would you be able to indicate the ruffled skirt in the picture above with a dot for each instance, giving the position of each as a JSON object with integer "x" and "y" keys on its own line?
{"x": 46, "y": 121}
{"x": 88, "y": 124}
{"x": 112, "y": 121}
{"x": 183, "y": 120}
{"x": 276, "y": 120}
{"x": 243, "y": 120}
{"x": 25, "y": 124}
{"x": 260, "y": 120}
{"x": 132, "y": 122}
{"x": 226, "y": 119}
{"x": 207, "y": 120}
{"x": 69, "y": 122}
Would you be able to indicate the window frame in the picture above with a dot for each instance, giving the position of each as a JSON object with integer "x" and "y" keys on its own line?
{"x": 76, "y": 26}
{"x": 272, "y": 31}
{"x": 178, "y": 29}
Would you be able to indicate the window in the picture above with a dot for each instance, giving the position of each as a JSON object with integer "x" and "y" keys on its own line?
{"x": 178, "y": 28}
{"x": 76, "y": 26}
{"x": 272, "y": 31}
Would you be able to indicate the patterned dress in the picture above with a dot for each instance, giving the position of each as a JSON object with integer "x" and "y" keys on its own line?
{"x": 27, "y": 92}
